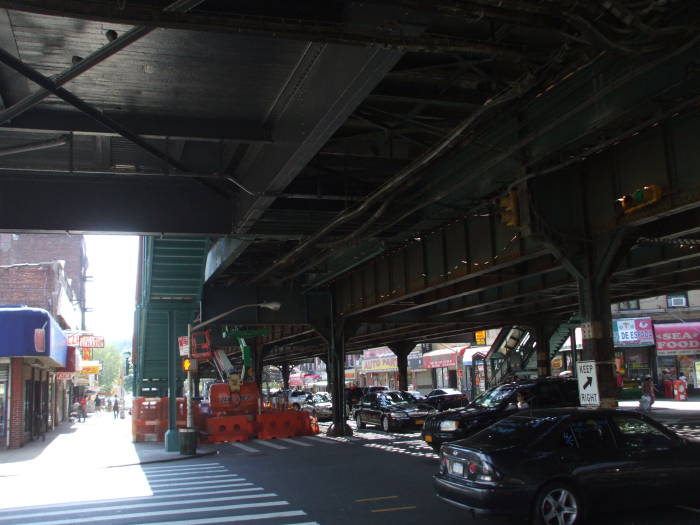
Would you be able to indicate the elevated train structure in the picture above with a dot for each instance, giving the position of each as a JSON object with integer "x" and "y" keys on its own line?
{"x": 391, "y": 171}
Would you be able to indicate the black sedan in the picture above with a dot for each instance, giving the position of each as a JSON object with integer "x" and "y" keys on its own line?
{"x": 444, "y": 398}
{"x": 390, "y": 410}
{"x": 319, "y": 405}
{"x": 561, "y": 464}
{"x": 497, "y": 403}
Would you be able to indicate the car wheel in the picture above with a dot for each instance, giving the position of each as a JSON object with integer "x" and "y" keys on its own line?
{"x": 558, "y": 503}
{"x": 386, "y": 424}
{"x": 358, "y": 421}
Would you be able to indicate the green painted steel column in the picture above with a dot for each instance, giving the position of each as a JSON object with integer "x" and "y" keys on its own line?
{"x": 172, "y": 443}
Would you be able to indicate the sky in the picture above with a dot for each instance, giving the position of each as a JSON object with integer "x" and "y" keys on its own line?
{"x": 111, "y": 293}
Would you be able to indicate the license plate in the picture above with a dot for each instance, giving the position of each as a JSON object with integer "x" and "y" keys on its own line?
{"x": 457, "y": 468}
{"x": 429, "y": 438}
{"x": 419, "y": 421}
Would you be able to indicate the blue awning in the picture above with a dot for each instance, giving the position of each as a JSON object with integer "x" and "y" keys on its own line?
{"x": 32, "y": 332}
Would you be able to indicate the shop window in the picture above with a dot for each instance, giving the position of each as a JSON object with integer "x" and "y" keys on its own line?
{"x": 629, "y": 305}
{"x": 677, "y": 300}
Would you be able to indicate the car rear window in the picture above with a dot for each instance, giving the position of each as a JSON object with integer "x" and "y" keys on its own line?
{"x": 514, "y": 430}
{"x": 590, "y": 433}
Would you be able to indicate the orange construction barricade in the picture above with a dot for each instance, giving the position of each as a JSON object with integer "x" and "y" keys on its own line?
{"x": 278, "y": 424}
{"x": 146, "y": 422}
{"x": 223, "y": 429}
{"x": 307, "y": 425}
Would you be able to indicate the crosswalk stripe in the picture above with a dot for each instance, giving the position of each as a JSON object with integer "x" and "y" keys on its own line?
{"x": 230, "y": 519}
{"x": 157, "y": 487}
{"x": 186, "y": 473}
{"x": 189, "y": 492}
{"x": 296, "y": 442}
{"x": 189, "y": 467}
{"x": 322, "y": 440}
{"x": 189, "y": 501}
{"x": 269, "y": 444}
{"x": 245, "y": 448}
{"x": 111, "y": 517}
{"x": 228, "y": 490}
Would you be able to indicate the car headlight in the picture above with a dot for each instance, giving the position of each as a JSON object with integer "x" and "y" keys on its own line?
{"x": 449, "y": 425}
{"x": 398, "y": 415}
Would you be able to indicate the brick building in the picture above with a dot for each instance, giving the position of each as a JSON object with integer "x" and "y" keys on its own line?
{"x": 42, "y": 285}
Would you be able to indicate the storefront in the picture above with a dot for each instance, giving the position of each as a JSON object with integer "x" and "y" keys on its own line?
{"x": 472, "y": 362}
{"x": 633, "y": 339}
{"x": 678, "y": 350}
{"x": 446, "y": 366}
{"x": 379, "y": 368}
{"x": 419, "y": 378}
{"x": 32, "y": 346}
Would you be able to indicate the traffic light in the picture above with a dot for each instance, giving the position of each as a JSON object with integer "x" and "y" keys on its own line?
{"x": 189, "y": 364}
{"x": 508, "y": 209}
{"x": 639, "y": 198}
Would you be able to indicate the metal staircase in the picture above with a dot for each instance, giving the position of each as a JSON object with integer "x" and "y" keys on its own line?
{"x": 509, "y": 353}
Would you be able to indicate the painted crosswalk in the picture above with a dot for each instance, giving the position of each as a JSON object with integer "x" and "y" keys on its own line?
{"x": 260, "y": 446}
{"x": 179, "y": 495}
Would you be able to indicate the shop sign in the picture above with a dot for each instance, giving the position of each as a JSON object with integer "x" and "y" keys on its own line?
{"x": 92, "y": 341}
{"x": 90, "y": 367}
{"x": 381, "y": 364}
{"x": 440, "y": 361}
{"x": 677, "y": 339}
{"x": 480, "y": 338}
{"x": 65, "y": 376}
{"x": 349, "y": 373}
{"x": 415, "y": 360}
{"x": 633, "y": 331}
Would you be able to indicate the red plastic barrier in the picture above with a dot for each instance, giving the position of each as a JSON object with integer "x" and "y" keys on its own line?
{"x": 146, "y": 421}
{"x": 230, "y": 428}
{"x": 278, "y": 424}
{"x": 680, "y": 390}
{"x": 307, "y": 425}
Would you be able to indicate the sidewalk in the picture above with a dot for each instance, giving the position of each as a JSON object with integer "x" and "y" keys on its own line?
{"x": 99, "y": 442}
{"x": 74, "y": 464}
{"x": 670, "y": 412}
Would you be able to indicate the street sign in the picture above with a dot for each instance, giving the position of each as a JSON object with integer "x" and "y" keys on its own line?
{"x": 183, "y": 343}
{"x": 587, "y": 383}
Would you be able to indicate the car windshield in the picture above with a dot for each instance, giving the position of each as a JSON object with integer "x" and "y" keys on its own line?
{"x": 494, "y": 397}
{"x": 514, "y": 430}
{"x": 394, "y": 398}
{"x": 322, "y": 397}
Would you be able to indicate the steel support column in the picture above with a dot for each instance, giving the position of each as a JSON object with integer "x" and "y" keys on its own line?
{"x": 171, "y": 439}
{"x": 543, "y": 332}
{"x": 401, "y": 351}
{"x": 285, "y": 369}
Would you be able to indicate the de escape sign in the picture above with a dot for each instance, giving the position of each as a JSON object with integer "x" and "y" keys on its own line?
{"x": 587, "y": 383}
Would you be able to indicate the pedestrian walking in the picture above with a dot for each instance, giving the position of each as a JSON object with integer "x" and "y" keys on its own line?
{"x": 115, "y": 408}
{"x": 98, "y": 404}
{"x": 648, "y": 396}
{"x": 667, "y": 381}
{"x": 83, "y": 408}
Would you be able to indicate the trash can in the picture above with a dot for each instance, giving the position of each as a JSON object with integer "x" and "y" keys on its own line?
{"x": 188, "y": 441}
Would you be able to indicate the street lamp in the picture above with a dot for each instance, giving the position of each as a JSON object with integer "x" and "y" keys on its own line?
{"x": 191, "y": 435}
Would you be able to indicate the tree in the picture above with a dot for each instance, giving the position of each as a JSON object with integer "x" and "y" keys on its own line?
{"x": 111, "y": 358}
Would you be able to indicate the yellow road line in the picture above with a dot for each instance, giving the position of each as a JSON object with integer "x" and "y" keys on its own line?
{"x": 394, "y": 509}
{"x": 375, "y": 499}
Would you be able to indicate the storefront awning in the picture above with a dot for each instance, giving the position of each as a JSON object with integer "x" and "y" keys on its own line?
{"x": 443, "y": 357}
{"x": 469, "y": 353}
{"x": 32, "y": 332}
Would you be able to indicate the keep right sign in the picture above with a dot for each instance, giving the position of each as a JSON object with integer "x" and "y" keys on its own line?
{"x": 587, "y": 383}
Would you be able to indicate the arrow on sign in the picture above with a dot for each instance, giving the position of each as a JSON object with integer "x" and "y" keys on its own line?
{"x": 588, "y": 382}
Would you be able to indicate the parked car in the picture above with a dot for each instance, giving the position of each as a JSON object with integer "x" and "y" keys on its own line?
{"x": 390, "y": 410}
{"x": 295, "y": 398}
{"x": 562, "y": 464}
{"x": 370, "y": 389}
{"x": 413, "y": 395}
{"x": 497, "y": 403}
{"x": 444, "y": 398}
{"x": 319, "y": 405}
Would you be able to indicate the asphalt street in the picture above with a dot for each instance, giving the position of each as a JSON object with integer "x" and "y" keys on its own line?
{"x": 372, "y": 477}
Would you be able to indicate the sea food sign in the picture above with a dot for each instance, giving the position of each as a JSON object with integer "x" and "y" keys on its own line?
{"x": 633, "y": 331}
{"x": 677, "y": 338}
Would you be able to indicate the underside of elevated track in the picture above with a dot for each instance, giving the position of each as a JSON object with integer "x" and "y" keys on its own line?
{"x": 391, "y": 171}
